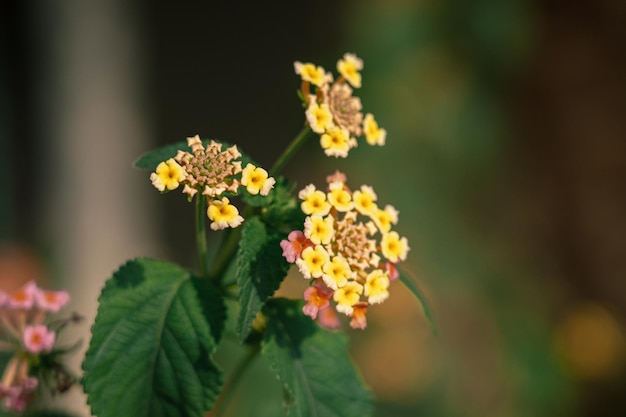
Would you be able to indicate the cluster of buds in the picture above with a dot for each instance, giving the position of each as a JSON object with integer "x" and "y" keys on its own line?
{"x": 213, "y": 173}
{"x": 331, "y": 109}
{"x": 347, "y": 249}
{"x": 24, "y": 333}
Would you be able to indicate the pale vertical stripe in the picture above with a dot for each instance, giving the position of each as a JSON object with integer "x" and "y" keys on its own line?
{"x": 97, "y": 205}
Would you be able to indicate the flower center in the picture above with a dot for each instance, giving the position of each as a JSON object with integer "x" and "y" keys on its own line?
{"x": 352, "y": 242}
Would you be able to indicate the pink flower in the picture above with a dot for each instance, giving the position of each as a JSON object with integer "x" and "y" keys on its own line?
{"x": 294, "y": 245}
{"x": 38, "y": 338}
{"x": 337, "y": 176}
{"x": 4, "y": 297}
{"x": 24, "y": 298}
{"x": 317, "y": 297}
{"x": 327, "y": 318}
{"x": 17, "y": 397}
{"x": 52, "y": 301}
{"x": 393, "y": 270}
{"x": 359, "y": 321}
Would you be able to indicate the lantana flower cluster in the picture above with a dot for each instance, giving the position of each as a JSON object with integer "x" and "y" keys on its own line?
{"x": 212, "y": 172}
{"x": 24, "y": 332}
{"x": 347, "y": 249}
{"x": 331, "y": 109}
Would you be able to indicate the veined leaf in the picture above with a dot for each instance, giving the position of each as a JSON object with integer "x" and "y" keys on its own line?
{"x": 260, "y": 270}
{"x": 151, "y": 345}
{"x": 313, "y": 364}
{"x": 419, "y": 294}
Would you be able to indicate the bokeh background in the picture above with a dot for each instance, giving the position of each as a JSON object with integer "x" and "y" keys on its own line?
{"x": 506, "y": 157}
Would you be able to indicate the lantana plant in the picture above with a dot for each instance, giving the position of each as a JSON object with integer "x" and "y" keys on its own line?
{"x": 159, "y": 324}
{"x": 28, "y": 338}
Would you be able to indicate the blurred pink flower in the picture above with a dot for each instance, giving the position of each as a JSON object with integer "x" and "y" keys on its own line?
{"x": 17, "y": 397}
{"x": 317, "y": 297}
{"x": 38, "y": 338}
{"x": 359, "y": 321}
{"x": 327, "y": 317}
{"x": 52, "y": 301}
{"x": 24, "y": 298}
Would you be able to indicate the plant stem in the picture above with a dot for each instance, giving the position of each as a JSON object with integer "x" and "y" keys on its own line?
{"x": 231, "y": 384}
{"x": 291, "y": 150}
{"x": 201, "y": 236}
{"x": 226, "y": 251}
{"x": 229, "y": 245}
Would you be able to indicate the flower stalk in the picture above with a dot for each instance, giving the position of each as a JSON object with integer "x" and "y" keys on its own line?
{"x": 201, "y": 237}
{"x": 293, "y": 147}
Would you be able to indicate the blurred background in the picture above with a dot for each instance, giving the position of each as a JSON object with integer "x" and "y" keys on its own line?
{"x": 505, "y": 155}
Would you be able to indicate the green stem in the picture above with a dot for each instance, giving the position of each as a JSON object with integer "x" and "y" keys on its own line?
{"x": 226, "y": 252}
{"x": 229, "y": 247}
{"x": 201, "y": 236}
{"x": 231, "y": 384}
{"x": 291, "y": 150}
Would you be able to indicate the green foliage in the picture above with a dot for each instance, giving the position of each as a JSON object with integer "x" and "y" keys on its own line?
{"x": 150, "y": 160}
{"x": 280, "y": 208}
{"x": 150, "y": 353}
{"x": 260, "y": 270}
{"x": 313, "y": 364}
{"x": 421, "y": 297}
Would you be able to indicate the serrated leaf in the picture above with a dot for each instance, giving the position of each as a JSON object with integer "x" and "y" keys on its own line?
{"x": 313, "y": 364}
{"x": 260, "y": 270}
{"x": 421, "y": 297}
{"x": 151, "y": 159}
{"x": 151, "y": 345}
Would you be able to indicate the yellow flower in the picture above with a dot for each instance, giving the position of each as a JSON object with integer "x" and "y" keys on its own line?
{"x": 336, "y": 142}
{"x": 314, "y": 201}
{"x": 365, "y": 200}
{"x": 376, "y": 286}
{"x": 168, "y": 175}
{"x": 312, "y": 261}
{"x": 319, "y": 116}
{"x": 349, "y": 68}
{"x": 355, "y": 250}
{"x": 223, "y": 214}
{"x": 311, "y": 73}
{"x": 347, "y": 296}
{"x": 256, "y": 180}
{"x": 336, "y": 273}
{"x": 339, "y": 197}
{"x": 393, "y": 247}
{"x": 318, "y": 229}
{"x": 209, "y": 170}
{"x": 373, "y": 134}
{"x": 384, "y": 218}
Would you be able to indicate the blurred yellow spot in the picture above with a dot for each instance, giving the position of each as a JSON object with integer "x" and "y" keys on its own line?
{"x": 591, "y": 342}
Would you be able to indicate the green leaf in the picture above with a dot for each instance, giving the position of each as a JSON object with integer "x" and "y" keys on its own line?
{"x": 313, "y": 364}
{"x": 151, "y": 159}
{"x": 260, "y": 270}
{"x": 419, "y": 294}
{"x": 281, "y": 209}
{"x": 151, "y": 345}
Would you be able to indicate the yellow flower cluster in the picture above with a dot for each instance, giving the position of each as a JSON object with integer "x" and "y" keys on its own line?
{"x": 331, "y": 109}
{"x": 347, "y": 247}
{"x": 212, "y": 172}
